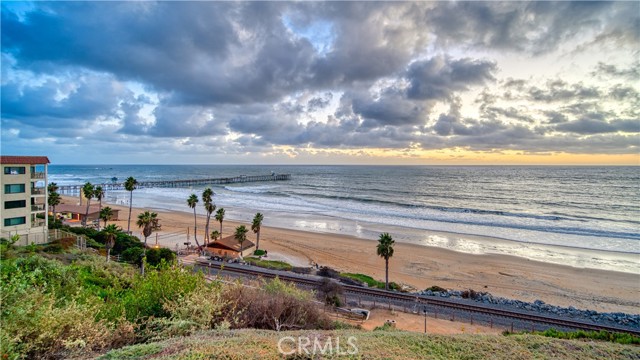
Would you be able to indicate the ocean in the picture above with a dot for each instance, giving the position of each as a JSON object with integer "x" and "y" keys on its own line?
{"x": 577, "y": 216}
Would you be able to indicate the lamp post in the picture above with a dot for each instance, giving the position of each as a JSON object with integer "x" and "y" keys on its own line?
{"x": 424, "y": 310}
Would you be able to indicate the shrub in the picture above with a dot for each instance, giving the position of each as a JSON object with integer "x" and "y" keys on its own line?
{"x": 330, "y": 292}
{"x": 279, "y": 287}
{"x": 259, "y": 252}
{"x": 620, "y": 338}
{"x": 156, "y": 256}
{"x": 132, "y": 255}
{"x": 255, "y": 308}
{"x": 436, "y": 288}
{"x": 269, "y": 264}
{"x": 328, "y": 272}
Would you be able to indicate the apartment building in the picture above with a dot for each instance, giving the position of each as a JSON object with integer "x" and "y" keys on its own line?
{"x": 23, "y": 192}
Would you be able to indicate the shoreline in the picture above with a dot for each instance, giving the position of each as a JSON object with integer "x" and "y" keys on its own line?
{"x": 422, "y": 266}
{"x": 464, "y": 243}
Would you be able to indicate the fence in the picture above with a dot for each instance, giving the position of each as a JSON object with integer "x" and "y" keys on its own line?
{"x": 46, "y": 237}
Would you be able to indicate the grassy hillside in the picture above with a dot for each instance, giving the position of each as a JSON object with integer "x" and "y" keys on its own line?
{"x": 261, "y": 344}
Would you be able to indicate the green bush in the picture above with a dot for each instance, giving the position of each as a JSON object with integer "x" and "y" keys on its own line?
{"x": 133, "y": 255}
{"x": 269, "y": 264}
{"x": 156, "y": 256}
{"x": 259, "y": 252}
{"x": 620, "y": 338}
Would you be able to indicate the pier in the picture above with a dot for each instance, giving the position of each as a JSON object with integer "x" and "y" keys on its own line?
{"x": 76, "y": 189}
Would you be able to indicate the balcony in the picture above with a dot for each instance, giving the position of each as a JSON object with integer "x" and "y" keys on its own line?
{"x": 37, "y": 191}
{"x": 38, "y": 223}
{"x": 37, "y": 175}
{"x": 38, "y": 207}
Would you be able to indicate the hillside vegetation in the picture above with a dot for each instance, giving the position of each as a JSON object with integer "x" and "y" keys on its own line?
{"x": 66, "y": 304}
{"x": 395, "y": 345}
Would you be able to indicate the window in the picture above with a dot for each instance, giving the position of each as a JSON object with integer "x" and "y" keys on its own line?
{"x": 15, "y": 221}
{"x": 13, "y": 188}
{"x": 15, "y": 204}
{"x": 14, "y": 170}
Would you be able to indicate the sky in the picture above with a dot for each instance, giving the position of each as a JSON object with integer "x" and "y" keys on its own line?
{"x": 424, "y": 83}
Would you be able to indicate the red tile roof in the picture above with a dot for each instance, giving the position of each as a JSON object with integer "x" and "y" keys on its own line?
{"x": 20, "y": 160}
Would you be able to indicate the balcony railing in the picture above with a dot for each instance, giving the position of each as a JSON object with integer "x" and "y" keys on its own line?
{"x": 37, "y": 223}
{"x": 37, "y": 207}
{"x": 37, "y": 175}
{"x": 37, "y": 191}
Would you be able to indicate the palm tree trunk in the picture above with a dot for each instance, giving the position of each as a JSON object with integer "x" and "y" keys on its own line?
{"x": 195, "y": 228}
{"x": 258, "y": 240}
{"x": 220, "y": 229}
{"x": 144, "y": 255}
{"x": 99, "y": 209}
{"x": 129, "y": 222}
{"x": 386, "y": 279}
{"x": 108, "y": 254}
{"x": 206, "y": 231}
{"x": 86, "y": 214}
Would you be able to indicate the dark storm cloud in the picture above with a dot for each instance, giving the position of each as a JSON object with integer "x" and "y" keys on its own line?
{"x": 63, "y": 102}
{"x": 591, "y": 126}
{"x": 438, "y": 77}
{"x": 536, "y": 27}
{"x": 254, "y": 70}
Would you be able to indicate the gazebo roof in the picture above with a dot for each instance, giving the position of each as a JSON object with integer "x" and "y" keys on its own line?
{"x": 231, "y": 243}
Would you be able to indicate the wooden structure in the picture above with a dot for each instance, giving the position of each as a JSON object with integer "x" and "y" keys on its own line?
{"x": 229, "y": 247}
{"x": 77, "y": 212}
{"x": 76, "y": 189}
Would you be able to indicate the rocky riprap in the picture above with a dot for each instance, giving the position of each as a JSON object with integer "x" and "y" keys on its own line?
{"x": 540, "y": 307}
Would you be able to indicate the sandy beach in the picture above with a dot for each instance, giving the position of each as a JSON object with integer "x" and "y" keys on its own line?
{"x": 420, "y": 266}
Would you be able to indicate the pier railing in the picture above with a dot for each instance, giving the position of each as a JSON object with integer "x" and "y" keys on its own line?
{"x": 75, "y": 189}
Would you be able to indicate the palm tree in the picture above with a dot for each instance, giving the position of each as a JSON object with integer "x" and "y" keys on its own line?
{"x": 241, "y": 236}
{"x": 220, "y": 217}
{"x": 147, "y": 221}
{"x": 88, "y": 192}
{"x": 209, "y": 206}
{"x": 99, "y": 194}
{"x": 106, "y": 214}
{"x": 110, "y": 234}
{"x": 52, "y": 187}
{"x": 255, "y": 226}
{"x": 54, "y": 200}
{"x": 385, "y": 250}
{"x": 130, "y": 185}
{"x": 215, "y": 234}
{"x": 192, "y": 201}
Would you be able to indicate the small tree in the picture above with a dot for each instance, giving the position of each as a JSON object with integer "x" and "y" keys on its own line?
{"x": 88, "y": 192}
{"x": 130, "y": 185}
{"x": 54, "y": 200}
{"x": 255, "y": 226}
{"x": 209, "y": 206}
{"x": 385, "y": 251}
{"x": 192, "y": 201}
{"x": 98, "y": 193}
{"x": 147, "y": 221}
{"x": 241, "y": 236}
{"x": 219, "y": 218}
{"x": 110, "y": 235}
{"x": 106, "y": 214}
{"x": 215, "y": 235}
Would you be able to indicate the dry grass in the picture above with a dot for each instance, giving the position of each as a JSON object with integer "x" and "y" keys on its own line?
{"x": 260, "y": 344}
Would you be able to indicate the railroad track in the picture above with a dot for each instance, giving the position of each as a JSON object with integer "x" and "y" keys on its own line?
{"x": 414, "y": 299}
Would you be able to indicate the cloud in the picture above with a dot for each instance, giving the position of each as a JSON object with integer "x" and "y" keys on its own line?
{"x": 245, "y": 77}
{"x": 591, "y": 126}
